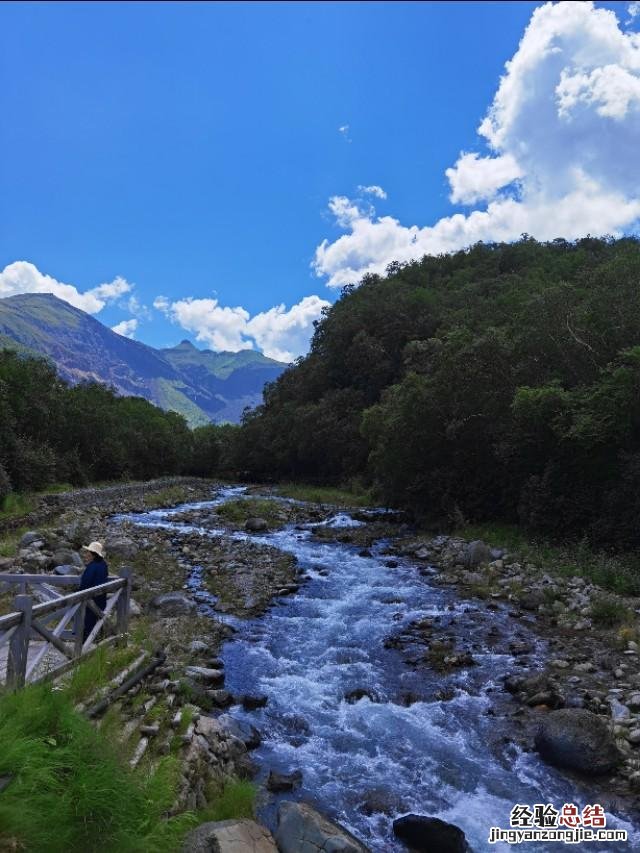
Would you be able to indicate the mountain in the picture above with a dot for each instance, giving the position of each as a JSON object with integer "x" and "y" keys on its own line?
{"x": 202, "y": 385}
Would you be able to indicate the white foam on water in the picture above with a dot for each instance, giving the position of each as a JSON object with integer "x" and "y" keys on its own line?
{"x": 433, "y": 757}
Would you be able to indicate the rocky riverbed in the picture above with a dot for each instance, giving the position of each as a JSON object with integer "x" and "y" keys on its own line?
{"x": 525, "y": 650}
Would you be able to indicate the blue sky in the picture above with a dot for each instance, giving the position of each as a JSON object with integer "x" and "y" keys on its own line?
{"x": 193, "y": 149}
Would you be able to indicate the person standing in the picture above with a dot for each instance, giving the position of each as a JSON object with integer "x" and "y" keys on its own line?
{"x": 96, "y": 572}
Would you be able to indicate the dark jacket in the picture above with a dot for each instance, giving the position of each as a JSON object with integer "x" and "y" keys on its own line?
{"x": 96, "y": 573}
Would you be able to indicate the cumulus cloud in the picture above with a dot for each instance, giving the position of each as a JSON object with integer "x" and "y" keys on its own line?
{"x": 280, "y": 333}
{"x": 562, "y": 151}
{"x": 25, "y": 277}
{"x": 126, "y": 328}
{"x": 373, "y": 190}
{"x": 633, "y": 10}
{"x": 474, "y": 178}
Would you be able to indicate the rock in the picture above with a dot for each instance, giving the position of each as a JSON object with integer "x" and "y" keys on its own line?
{"x": 5, "y": 781}
{"x": 577, "y": 740}
{"x": 422, "y": 554}
{"x": 380, "y": 801}
{"x": 134, "y": 608}
{"x": 619, "y": 711}
{"x": 66, "y": 570}
{"x": 391, "y": 564}
{"x": 476, "y": 553}
{"x": 197, "y": 647}
{"x": 634, "y": 736}
{"x": 430, "y": 834}
{"x": 250, "y": 703}
{"x": 65, "y": 557}
{"x": 220, "y": 698}
{"x": 172, "y": 604}
{"x": 301, "y": 829}
{"x": 531, "y": 600}
{"x": 204, "y": 674}
{"x": 230, "y": 836}
{"x": 359, "y": 693}
{"x": 31, "y": 538}
{"x": 496, "y": 553}
{"x": 279, "y": 782}
{"x": 255, "y": 525}
{"x": 248, "y": 734}
{"x": 120, "y": 547}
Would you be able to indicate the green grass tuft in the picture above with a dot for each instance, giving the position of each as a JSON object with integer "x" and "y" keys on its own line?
{"x": 235, "y": 801}
{"x": 70, "y": 791}
{"x": 607, "y": 612}
{"x": 15, "y": 505}
{"x": 326, "y": 495}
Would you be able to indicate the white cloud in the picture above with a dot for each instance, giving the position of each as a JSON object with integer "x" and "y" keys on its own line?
{"x": 633, "y": 10}
{"x": 126, "y": 328}
{"x": 344, "y": 132}
{"x": 374, "y": 190}
{"x": 562, "y": 161}
{"x": 280, "y": 333}
{"x": 24, "y": 277}
{"x": 135, "y": 307}
{"x": 475, "y": 178}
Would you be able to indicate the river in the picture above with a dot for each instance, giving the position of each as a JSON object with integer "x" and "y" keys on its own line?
{"x": 447, "y": 757}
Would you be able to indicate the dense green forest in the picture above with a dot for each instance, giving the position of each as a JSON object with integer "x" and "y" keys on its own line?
{"x": 51, "y": 433}
{"x": 497, "y": 383}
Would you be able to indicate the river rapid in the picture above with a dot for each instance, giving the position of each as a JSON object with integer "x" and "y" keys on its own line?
{"x": 418, "y": 741}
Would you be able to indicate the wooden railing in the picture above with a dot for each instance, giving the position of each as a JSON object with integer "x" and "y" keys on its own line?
{"x": 31, "y": 631}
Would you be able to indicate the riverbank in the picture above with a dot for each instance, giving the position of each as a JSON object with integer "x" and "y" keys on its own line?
{"x": 202, "y": 578}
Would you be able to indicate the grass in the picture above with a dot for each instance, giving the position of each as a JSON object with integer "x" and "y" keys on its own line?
{"x": 239, "y": 511}
{"x": 99, "y": 668}
{"x": 236, "y": 800}
{"x": 619, "y": 573}
{"x": 169, "y": 496}
{"x": 70, "y": 791}
{"x": 607, "y": 612}
{"x": 9, "y": 542}
{"x": 326, "y": 495}
{"x": 15, "y": 505}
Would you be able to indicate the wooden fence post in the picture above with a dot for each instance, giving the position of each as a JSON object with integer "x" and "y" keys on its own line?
{"x": 19, "y": 644}
{"x": 78, "y": 629}
{"x": 122, "y": 607}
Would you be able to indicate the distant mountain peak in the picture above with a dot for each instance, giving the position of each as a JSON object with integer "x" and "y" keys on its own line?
{"x": 200, "y": 384}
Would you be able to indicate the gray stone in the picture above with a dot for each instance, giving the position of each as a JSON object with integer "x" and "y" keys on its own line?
{"x": 204, "y": 674}
{"x": 197, "y": 647}
{"x": 476, "y": 553}
{"x": 430, "y": 834}
{"x": 255, "y": 525}
{"x": 230, "y": 836}
{"x": 577, "y": 740}
{"x": 30, "y": 538}
{"x": 120, "y": 547}
{"x": 248, "y": 734}
{"x": 301, "y": 829}
{"x": 66, "y": 570}
{"x": 279, "y": 782}
{"x": 172, "y": 604}
{"x": 66, "y": 557}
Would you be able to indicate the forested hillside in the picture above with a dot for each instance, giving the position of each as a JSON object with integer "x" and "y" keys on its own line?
{"x": 500, "y": 382}
{"x": 51, "y": 432}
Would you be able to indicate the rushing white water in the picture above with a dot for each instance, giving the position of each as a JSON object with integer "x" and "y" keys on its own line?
{"x": 450, "y": 759}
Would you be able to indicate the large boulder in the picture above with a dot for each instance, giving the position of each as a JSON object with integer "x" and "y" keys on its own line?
{"x": 255, "y": 525}
{"x": 301, "y": 829}
{"x": 230, "y": 836}
{"x": 120, "y": 547}
{"x": 30, "y": 538}
{"x": 67, "y": 557}
{"x": 172, "y": 604}
{"x": 430, "y": 834}
{"x": 247, "y": 733}
{"x": 476, "y": 553}
{"x": 576, "y": 739}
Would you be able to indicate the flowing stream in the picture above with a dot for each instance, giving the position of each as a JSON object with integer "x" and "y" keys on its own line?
{"x": 446, "y": 757}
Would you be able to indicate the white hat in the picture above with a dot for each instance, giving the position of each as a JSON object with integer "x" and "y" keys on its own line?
{"x": 95, "y": 548}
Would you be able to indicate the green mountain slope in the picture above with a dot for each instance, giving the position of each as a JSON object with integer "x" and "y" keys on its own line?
{"x": 202, "y": 385}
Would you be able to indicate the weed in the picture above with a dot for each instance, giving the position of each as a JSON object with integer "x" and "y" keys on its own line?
{"x": 607, "y": 612}
{"x": 69, "y": 791}
{"x": 326, "y": 495}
